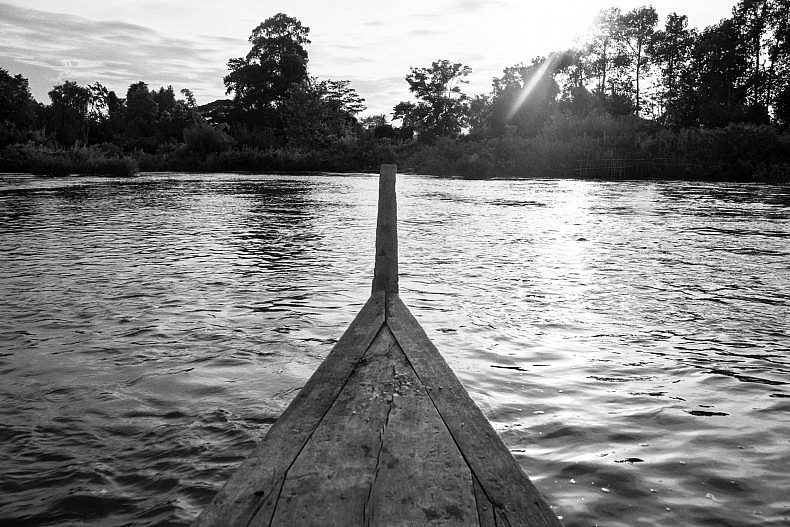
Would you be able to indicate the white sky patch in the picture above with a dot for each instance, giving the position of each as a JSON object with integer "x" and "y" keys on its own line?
{"x": 372, "y": 44}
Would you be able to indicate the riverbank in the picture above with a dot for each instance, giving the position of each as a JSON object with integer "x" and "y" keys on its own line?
{"x": 592, "y": 148}
{"x": 606, "y": 148}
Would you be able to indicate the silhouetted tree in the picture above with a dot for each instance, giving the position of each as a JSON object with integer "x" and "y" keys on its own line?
{"x": 442, "y": 108}
{"x": 721, "y": 70}
{"x": 141, "y": 112}
{"x": 116, "y": 115}
{"x": 68, "y": 115}
{"x": 318, "y": 113}
{"x": 637, "y": 28}
{"x": 752, "y": 17}
{"x": 778, "y": 74}
{"x": 606, "y": 49}
{"x": 522, "y": 98}
{"x": 17, "y": 108}
{"x": 189, "y": 97}
{"x": 173, "y": 115}
{"x": 671, "y": 50}
{"x": 262, "y": 81}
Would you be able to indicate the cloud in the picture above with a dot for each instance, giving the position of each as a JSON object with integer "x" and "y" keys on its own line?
{"x": 50, "y": 47}
{"x": 469, "y": 5}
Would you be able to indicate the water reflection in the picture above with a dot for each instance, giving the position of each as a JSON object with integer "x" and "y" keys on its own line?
{"x": 152, "y": 329}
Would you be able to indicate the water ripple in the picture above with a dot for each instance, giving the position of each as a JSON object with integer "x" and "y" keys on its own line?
{"x": 627, "y": 340}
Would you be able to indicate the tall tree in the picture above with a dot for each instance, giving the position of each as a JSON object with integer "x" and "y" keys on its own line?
{"x": 97, "y": 109}
{"x": 173, "y": 115}
{"x": 523, "y": 97}
{"x": 189, "y": 97}
{"x": 411, "y": 115}
{"x": 671, "y": 50}
{"x": 721, "y": 66}
{"x": 637, "y": 28}
{"x": 778, "y": 75}
{"x": 261, "y": 82}
{"x": 605, "y": 48}
{"x": 69, "y": 112}
{"x": 17, "y": 107}
{"x": 572, "y": 70}
{"x": 442, "y": 108}
{"x": 752, "y": 17}
{"x": 319, "y": 113}
{"x": 572, "y": 66}
{"x": 141, "y": 112}
{"x": 116, "y": 114}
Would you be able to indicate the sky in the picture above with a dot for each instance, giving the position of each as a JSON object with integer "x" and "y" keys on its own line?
{"x": 187, "y": 44}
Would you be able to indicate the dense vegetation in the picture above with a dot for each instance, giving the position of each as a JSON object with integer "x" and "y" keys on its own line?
{"x": 635, "y": 99}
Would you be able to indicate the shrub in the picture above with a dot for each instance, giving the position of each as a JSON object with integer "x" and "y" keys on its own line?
{"x": 50, "y": 162}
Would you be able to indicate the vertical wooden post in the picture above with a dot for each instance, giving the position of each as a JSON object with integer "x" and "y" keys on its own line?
{"x": 385, "y": 274}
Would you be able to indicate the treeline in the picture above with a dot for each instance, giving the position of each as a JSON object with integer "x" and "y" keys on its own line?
{"x": 662, "y": 99}
{"x": 672, "y": 100}
{"x": 279, "y": 118}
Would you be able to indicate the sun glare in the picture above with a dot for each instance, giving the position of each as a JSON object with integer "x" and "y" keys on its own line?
{"x": 530, "y": 86}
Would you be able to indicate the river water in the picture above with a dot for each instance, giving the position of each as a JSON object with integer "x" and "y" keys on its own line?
{"x": 628, "y": 340}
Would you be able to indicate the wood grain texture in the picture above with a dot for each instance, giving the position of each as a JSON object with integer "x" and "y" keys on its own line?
{"x": 421, "y": 477}
{"x": 329, "y": 483}
{"x": 501, "y": 478}
{"x": 252, "y": 489}
{"x": 485, "y": 510}
{"x": 385, "y": 272}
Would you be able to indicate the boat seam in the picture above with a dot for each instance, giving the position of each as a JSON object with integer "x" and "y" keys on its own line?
{"x": 312, "y": 432}
{"x": 455, "y": 442}
{"x": 497, "y": 507}
{"x": 365, "y": 519}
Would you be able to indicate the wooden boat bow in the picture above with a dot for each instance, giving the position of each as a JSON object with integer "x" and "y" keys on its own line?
{"x": 383, "y": 433}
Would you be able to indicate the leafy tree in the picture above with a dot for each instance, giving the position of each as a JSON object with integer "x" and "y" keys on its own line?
{"x": 189, "y": 97}
{"x": 17, "y": 107}
{"x": 262, "y": 81}
{"x": 572, "y": 69}
{"x": 373, "y": 121}
{"x": 778, "y": 51}
{"x": 571, "y": 66}
{"x": 173, "y": 115}
{"x": 116, "y": 114}
{"x": 671, "y": 50}
{"x": 442, "y": 108}
{"x": 69, "y": 112}
{"x": 378, "y": 127}
{"x": 721, "y": 69}
{"x": 318, "y": 113}
{"x": 783, "y": 106}
{"x": 522, "y": 98}
{"x": 141, "y": 113}
{"x": 637, "y": 29}
{"x": 606, "y": 49}
{"x": 165, "y": 99}
{"x": 95, "y": 113}
{"x": 752, "y": 17}
{"x": 409, "y": 114}
{"x": 480, "y": 117}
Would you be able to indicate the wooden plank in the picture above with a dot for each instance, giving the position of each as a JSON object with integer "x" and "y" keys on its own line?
{"x": 502, "y": 520}
{"x": 329, "y": 483}
{"x": 251, "y": 489}
{"x": 421, "y": 477}
{"x": 485, "y": 510}
{"x": 385, "y": 272}
{"x": 500, "y": 476}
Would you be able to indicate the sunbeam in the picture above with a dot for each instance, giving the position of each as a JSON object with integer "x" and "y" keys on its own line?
{"x": 547, "y": 65}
